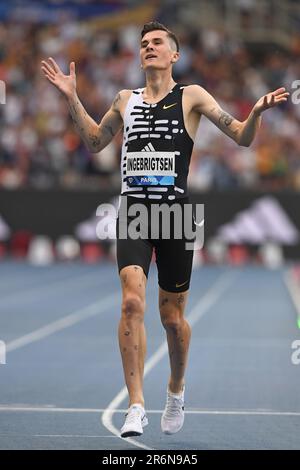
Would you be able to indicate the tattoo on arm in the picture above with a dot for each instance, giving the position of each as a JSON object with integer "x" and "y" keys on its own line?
{"x": 110, "y": 130}
{"x": 94, "y": 140}
{"x": 86, "y": 126}
{"x": 76, "y": 124}
{"x": 225, "y": 119}
{"x": 116, "y": 101}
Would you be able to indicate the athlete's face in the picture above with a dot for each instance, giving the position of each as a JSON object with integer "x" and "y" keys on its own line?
{"x": 157, "y": 51}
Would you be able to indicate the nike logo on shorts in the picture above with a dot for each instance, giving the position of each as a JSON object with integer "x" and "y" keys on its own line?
{"x": 180, "y": 285}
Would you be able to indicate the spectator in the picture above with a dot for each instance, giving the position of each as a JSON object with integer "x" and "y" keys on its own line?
{"x": 39, "y": 146}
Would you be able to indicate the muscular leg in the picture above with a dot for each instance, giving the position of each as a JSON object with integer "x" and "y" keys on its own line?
{"x": 132, "y": 337}
{"x": 171, "y": 306}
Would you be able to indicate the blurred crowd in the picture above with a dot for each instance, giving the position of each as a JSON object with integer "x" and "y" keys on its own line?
{"x": 40, "y": 148}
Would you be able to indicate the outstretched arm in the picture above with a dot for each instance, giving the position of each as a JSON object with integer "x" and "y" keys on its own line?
{"x": 96, "y": 136}
{"x": 252, "y": 123}
{"x": 244, "y": 132}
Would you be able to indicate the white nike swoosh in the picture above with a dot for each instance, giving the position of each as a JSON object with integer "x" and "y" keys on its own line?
{"x": 200, "y": 224}
{"x": 169, "y": 106}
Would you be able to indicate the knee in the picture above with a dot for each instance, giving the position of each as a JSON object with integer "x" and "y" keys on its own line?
{"x": 172, "y": 321}
{"x": 133, "y": 307}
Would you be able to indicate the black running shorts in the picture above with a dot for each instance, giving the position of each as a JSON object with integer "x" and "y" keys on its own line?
{"x": 174, "y": 261}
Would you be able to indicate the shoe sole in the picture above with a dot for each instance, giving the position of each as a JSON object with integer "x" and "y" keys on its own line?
{"x": 131, "y": 434}
{"x": 169, "y": 433}
{"x": 135, "y": 433}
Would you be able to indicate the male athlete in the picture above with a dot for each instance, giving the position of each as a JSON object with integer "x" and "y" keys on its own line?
{"x": 159, "y": 124}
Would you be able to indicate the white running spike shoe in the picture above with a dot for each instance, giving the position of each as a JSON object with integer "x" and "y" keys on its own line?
{"x": 135, "y": 421}
{"x": 173, "y": 416}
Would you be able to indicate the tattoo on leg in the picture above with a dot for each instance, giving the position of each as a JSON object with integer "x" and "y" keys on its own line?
{"x": 164, "y": 301}
{"x": 180, "y": 299}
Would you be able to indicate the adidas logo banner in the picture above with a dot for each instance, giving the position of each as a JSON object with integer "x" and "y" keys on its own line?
{"x": 265, "y": 220}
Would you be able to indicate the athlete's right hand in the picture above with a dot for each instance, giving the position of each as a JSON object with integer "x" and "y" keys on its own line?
{"x": 65, "y": 83}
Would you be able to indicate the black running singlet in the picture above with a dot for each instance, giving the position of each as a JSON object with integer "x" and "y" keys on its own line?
{"x": 156, "y": 149}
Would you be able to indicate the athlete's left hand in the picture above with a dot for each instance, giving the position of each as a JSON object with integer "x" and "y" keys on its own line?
{"x": 270, "y": 100}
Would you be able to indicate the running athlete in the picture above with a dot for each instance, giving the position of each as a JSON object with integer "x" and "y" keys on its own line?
{"x": 161, "y": 121}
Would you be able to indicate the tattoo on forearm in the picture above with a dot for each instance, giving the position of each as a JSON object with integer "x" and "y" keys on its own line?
{"x": 79, "y": 114}
{"x": 225, "y": 119}
{"x": 74, "y": 116}
{"x": 76, "y": 124}
{"x": 96, "y": 141}
{"x": 74, "y": 120}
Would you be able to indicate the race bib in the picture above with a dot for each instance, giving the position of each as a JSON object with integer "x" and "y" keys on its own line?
{"x": 150, "y": 168}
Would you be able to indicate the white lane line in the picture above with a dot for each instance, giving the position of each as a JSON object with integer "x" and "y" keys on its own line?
{"x": 245, "y": 413}
{"x": 206, "y": 302}
{"x": 50, "y": 409}
{"x": 10, "y": 435}
{"x": 294, "y": 291}
{"x": 72, "y": 435}
{"x": 30, "y": 273}
{"x": 47, "y": 409}
{"x": 80, "y": 315}
{"x": 57, "y": 285}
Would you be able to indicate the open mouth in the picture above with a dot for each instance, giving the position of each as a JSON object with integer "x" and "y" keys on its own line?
{"x": 148, "y": 57}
